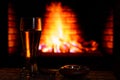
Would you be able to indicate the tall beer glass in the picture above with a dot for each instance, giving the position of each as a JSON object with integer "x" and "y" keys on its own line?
{"x": 30, "y": 30}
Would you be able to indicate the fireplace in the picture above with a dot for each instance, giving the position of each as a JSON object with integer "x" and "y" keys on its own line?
{"x": 64, "y": 32}
{"x": 61, "y": 33}
{"x": 70, "y": 31}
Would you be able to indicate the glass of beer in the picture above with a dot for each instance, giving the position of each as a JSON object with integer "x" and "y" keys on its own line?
{"x": 30, "y": 30}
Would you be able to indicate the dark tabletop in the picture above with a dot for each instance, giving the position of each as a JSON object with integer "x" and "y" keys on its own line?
{"x": 15, "y": 74}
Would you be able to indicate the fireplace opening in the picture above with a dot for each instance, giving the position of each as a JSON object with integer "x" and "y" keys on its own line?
{"x": 61, "y": 32}
{"x": 67, "y": 33}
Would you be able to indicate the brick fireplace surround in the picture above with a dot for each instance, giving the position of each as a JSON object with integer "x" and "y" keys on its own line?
{"x": 107, "y": 65}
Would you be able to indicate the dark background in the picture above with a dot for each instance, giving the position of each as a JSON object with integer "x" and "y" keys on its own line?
{"x": 3, "y": 31}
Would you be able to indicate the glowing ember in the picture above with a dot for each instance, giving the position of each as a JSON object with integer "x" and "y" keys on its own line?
{"x": 60, "y": 32}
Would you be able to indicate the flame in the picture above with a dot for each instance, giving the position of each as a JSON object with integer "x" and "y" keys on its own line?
{"x": 60, "y": 32}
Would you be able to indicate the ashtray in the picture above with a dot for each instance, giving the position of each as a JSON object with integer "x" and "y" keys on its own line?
{"x": 74, "y": 70}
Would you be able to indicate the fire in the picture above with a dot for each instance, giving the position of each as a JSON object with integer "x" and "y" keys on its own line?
{"x": 60, "y": 33}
